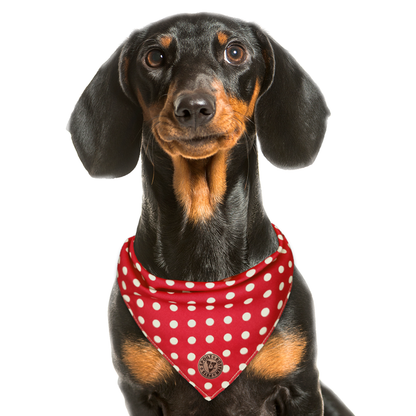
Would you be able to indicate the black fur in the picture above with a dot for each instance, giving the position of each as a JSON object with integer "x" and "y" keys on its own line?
{"x": 109, "y": 131}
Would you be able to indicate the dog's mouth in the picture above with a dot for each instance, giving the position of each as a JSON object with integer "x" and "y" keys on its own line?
{"x": 196, "y": 147}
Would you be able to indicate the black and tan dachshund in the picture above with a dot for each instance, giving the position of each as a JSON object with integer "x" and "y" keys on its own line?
{"x": 191, "y": 93}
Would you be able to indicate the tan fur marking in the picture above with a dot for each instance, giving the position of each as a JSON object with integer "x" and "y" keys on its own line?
{"x": 222, "y": 38}
{"x": 200, "y": 184}
{"x": 243, "y": 109}
{"x": 165, "y": 41}
{"x": 145, "y": 362}
{"x": 281, "y": 355}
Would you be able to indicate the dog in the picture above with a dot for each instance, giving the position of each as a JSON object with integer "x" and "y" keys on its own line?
{"x": 191, "y": 93}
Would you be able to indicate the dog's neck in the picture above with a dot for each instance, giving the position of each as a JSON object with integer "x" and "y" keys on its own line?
{"x": 236, "y": 237}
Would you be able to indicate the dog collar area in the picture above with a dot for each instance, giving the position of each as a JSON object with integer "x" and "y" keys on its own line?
{"x": 208, "y": 331}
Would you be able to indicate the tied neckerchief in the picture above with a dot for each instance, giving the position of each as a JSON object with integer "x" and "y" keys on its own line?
{"x": 208, "y": 331}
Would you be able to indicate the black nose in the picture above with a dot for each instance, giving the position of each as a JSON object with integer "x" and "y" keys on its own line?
{"x": 193, "y": 110}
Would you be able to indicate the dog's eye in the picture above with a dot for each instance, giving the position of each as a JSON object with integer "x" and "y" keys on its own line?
{"x": 155, "y": 58}
{"x": 235, "y": 54}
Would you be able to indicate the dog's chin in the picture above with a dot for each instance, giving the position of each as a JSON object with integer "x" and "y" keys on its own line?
{"x": 196, "y": 148}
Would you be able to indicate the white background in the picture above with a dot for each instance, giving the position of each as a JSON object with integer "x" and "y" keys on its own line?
{"x": 349, "y": 217}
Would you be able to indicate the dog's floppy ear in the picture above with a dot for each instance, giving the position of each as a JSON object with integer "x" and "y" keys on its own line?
{"x": 291, "y": 113}
{"x": 107, "y": 121}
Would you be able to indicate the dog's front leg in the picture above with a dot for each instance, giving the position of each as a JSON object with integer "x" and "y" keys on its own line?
{"x": 302, "y": 398}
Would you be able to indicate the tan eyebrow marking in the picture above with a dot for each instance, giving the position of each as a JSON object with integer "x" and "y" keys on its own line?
{"x": 165, "y": 41}
{"x": 222, "y": 38}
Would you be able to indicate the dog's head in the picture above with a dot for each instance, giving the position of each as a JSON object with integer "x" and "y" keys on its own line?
{"x": 197, "y": 84}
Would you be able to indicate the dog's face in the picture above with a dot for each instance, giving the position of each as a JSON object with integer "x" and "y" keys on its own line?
{"x": 197, "y": 80}
{"x": 197, "y": 83}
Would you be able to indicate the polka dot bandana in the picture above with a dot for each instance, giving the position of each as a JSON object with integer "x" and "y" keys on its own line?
{"x": 208, "y": 331}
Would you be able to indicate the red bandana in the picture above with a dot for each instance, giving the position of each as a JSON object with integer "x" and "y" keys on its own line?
{"x": 209, "y": 332}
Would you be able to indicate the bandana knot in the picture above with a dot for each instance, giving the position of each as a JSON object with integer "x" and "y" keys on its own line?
{"x": 208, "y": 331}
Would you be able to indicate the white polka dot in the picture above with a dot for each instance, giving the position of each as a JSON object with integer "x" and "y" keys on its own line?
{"x": 281, "y": 286}
{"x": 251, "y": 273}
{"x": 191, "y": 356}
{"x": 173, "y": 324}
{"x": 191, "y": 371}
{"x": 156, "y": 306}
{"x": 268, "y": 260}
{"x": 248, "y": 301}
{"x": 176, "y": 368}
{"x": 141, "y": 319}
{"x": 209, "y": 322}
{"x": 277, "y": 321}
{"x": 226, "y": 368}
{"x": 290, "y": 279}
{"x": 191, "y": 308}
{"x": 245, "y": 335}
{"x": 210, "y": 307}
{"x": 225, "y": 384}
{"x": 267, "y": 294}
{"x": 246, "y": 316}
{"x": 280, "y": 304}
{"x": 209, "y": 285}
{"x": 174, "y": 341}
{"x": 151, "y": 277}
{"x": 140, "y": 303}
{"x": 189, "y": 285}
{"x": 208, "y": 386}
{"x": 230, "y": 295}
{"x": 170, "y": 282}
{"x": 156, "y": 323}
{"x": 192, "y": 384}
{"x": 290, "y": 264}
{"x": 243, "y": 351}
{"x": 230, "y": 282}
{"x": 227, "y": 337}
{"x": 263, "y": 331}
{"x": 250, "y": 287}
{"x": 267, "y": 277}
{"x": 210, "y": 300}
{"x": 123, "y": 284}
{"x": 209, "y": 339}
{"x": 226, "y": 353}
{"x": 152, "y": 290}
{"x": 136, "y": 283}
{"x": 174, "y": 356}
{"x": 191, "y": 323}
{"x": 265, "y": 312}
{"x": 281, "y": 269}
{"x": 208, "y": 399}
{"x": 125, "y": 271}
{"x": 173, "y": 308}
{"x": 157, "y": 339}
{"x": 229, "y": 305}
{"x": 288, "y": 294}
{"x": 191, "y": 340}
{"x": 228, "y": 319}
{"x": 259, "y": 347}
{"x": 126, "y": 298}
{"x": 280, "y": 237}
{"x": 242, "y": 367}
